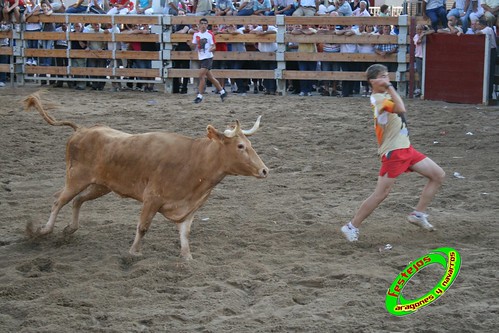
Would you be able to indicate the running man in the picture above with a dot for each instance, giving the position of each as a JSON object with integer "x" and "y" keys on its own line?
{"x": 203, "y": 41}
{"x": 397, "y": 155}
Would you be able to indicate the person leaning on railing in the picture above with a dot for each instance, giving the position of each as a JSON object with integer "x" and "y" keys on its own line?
{"x": 93, "y": 46}
{"x": 78, "y": 62}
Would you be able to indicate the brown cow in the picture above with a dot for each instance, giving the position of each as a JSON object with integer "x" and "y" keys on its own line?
{"x": 169, "y": 173}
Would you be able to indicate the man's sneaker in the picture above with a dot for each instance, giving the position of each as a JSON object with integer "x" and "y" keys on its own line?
{"x": 352, "y": 235}
{"x": 222, "y": 96}
{"x": 2, "y": 84}
{"x": 198, "y": 100}
{"x": 29, "y": 62}
{"x": 301, "y": 94}
{"x": 421, "y": 220}
{"x": 33, "y": 63}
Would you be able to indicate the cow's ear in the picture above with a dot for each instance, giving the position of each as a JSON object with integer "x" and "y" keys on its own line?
{"x": 213, "y": 134}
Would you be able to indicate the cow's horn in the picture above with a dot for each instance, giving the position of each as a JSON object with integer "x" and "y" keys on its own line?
{"x": 254, "y": 129}
{"x": 232, "y": 133}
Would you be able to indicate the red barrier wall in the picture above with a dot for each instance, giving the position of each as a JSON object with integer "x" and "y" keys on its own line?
{"x": 454, "y": 68}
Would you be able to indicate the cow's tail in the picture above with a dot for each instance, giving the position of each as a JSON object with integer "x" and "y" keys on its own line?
{"x": 33, "y": 101}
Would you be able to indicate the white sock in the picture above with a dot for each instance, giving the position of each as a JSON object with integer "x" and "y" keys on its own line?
{"x": 200, "y": 96}
{"x": 351, "y": 226}
{"x": 222, "y": 91}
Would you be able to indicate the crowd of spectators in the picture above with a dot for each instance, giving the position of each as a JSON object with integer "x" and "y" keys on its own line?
{"x": 466, "y": 16}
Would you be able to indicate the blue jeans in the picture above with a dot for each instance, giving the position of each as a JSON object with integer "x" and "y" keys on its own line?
{"x": 288, "y": 12}
{"x": 306, "y": 85}
{"x": 245, "y": 12}
{"x": 437, "y": 15}
{"x": 76, "y": 10}
{"x": 4, "y": 59}
{"x": 269, "y": 84}
{"x": 46, "y": 45}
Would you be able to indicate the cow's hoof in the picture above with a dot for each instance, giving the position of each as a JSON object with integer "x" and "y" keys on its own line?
{"x": 33, "y": 230}
{"x": 69, "y": 230}
{"x": 135, "y": 253}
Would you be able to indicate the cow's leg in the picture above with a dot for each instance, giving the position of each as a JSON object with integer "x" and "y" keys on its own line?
{"x": 149, "y": 209}
{"x": 92, "y": 192}
{"x": 63, "y": 197}
{"x": 184, "y": 230}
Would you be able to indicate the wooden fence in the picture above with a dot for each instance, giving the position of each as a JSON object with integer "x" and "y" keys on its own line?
{"x": 162, "y": 33}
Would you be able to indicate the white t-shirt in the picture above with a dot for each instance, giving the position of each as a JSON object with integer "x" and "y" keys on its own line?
{"x": 204, "y": 52}
{"x": 492, "y": 36}
{"x": 267, "y": 47}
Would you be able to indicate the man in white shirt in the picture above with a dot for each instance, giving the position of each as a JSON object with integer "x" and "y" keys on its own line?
{"x": 269, "y": 84}
{"x": 203, "y": 41}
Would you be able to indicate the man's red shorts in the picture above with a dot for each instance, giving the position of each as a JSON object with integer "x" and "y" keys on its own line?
{"x": 399, "y": 161}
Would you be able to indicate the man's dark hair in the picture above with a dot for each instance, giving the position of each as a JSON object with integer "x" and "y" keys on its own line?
{"x": 203, "y": 20}
{"x": 374, "y": 70}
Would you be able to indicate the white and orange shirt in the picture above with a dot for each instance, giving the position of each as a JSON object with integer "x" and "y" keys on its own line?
{"x": 391, "y": 128}
{"x": 204, "y": 50}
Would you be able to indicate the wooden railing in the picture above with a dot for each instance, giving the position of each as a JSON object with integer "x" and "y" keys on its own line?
{"x": 162, "y": 33}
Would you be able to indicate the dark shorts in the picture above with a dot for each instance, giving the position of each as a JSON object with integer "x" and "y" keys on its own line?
{"x": 399, "y": 161}
{"x": 206, "y": 63}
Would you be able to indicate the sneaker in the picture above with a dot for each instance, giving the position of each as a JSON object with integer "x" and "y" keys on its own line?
{"x": 33, "y": 63}
{"x": 309, "y": 94}
{"x": 223, "y": 96}
{"x": 198, "y": 100}
{"x": 301, "y": 94}
{"x": 2, "y": 84}
{"x": 352, "y": 235}
{"x": 421, "y": 220}
{"x": 29, "y": 62}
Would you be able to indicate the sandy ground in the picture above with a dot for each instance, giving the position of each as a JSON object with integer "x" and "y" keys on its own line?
{"x": 268, "y": 254}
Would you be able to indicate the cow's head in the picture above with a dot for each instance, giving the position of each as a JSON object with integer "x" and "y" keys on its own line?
{"x": 237, "y": 155}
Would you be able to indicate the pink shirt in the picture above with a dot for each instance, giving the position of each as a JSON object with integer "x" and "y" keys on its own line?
{"x": 418, "y": 51}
